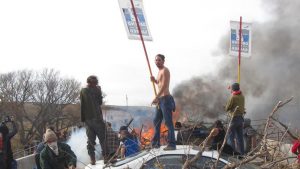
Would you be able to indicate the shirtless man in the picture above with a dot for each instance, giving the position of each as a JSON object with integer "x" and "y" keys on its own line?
{"x": 165, "y": 104}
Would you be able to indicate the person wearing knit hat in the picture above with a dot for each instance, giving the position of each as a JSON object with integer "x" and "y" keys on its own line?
{"x": 236, "y": 100}
{"x": 40, "y": 147}
{"x": 56, "y": 155}
{"x": 50, "y": 136}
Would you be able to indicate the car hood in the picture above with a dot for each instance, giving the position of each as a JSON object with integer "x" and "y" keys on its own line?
{"x": 99, "y": 165}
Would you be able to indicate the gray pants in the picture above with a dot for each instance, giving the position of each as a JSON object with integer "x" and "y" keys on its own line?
{"x": 95, "y": 127}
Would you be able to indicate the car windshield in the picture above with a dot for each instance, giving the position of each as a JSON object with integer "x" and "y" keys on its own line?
{"x": 130, "y": 158}
{"x": 176, "y": 161}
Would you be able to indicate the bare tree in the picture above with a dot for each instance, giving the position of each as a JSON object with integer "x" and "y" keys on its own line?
{"x": 52, "y": 94}
{"x": 47, "y": 94}
{"x": 16, "y": 88}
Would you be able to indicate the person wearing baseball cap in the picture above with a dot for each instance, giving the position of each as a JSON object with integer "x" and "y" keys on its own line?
{"x": 129, "y": 143}
{"x": 236, "y": 100}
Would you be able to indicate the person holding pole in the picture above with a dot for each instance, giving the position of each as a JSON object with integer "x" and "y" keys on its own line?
{"x": 165, "y": 104}
{"x": 236, "y": 126}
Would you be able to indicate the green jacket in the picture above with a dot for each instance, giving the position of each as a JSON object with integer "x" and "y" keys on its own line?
{"x": 91, "y": 101}
{"x": 236, "y": 100}
{"x": 65, "y": 158}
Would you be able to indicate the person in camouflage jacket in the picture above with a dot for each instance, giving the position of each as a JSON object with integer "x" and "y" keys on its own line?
{"x": 91, "y": 115}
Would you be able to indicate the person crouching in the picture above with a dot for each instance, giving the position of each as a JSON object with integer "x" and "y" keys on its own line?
{"x": 129, "y": 143}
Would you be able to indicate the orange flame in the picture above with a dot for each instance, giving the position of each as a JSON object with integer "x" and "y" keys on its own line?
{"x": 147, "y": 134}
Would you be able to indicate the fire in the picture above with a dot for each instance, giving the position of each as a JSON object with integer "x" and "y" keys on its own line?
{"x": 147, "y": 135}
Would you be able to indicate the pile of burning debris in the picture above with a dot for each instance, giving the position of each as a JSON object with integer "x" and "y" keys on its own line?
{"x": 269, "y": 152}
{"x": 262, "y": 149}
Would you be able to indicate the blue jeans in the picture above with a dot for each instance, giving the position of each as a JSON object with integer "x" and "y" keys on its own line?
{"x": 236, "y": 132}
{"x": 165, "y": 109}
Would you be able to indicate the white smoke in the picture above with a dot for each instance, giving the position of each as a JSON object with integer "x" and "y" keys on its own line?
{"x": 272, "y": 73}
{"x": 78, "y": 143}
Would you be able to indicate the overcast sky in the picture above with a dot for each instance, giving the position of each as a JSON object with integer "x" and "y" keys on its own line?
{"x": 80, "y": 38}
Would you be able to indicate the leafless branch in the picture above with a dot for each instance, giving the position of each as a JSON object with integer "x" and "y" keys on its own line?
{"x": 269, "y": 165}
{"x": 286, "y": 127}
{"x": 198, "y": 155}
{"x": 246, "y": 160}
{"x": 225, "y": 138}
{"x": 279, "y": 105}
{"x": 263, "y": 152}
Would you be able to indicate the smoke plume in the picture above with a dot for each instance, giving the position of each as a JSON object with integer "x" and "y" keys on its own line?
{"x": 270, "y": 75}
{"x": 78, "y": 143}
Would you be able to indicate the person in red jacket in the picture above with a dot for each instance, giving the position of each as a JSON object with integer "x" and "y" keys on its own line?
{"x": 296, "y": 149}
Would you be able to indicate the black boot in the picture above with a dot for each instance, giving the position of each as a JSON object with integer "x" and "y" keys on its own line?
{"x": 93, "y": 159}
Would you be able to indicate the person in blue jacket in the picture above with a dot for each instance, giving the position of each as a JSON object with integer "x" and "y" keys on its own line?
{"x": 129, "y": 143}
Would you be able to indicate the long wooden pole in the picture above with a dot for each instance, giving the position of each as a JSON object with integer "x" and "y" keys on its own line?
{"x": 240, "y": 48}
{"x": 143, "y": 43}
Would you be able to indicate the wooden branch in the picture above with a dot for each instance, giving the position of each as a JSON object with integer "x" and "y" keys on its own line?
{"x": 246, "y": 160}
{"x": 279, "y": 105}
{"x": 204, "y": 143}
{"x": 198, "y": 155}
{"x": 287, "y": 101}
{"x": 225, "y": 138}
{"x": 113, "y": 157}
{"x": 279, "y": 143}
{"x": 141, "y": 131}
{"x": 263, "y": 151}
{"x": 286, "y": 127}
{"x": 269, "y": 165}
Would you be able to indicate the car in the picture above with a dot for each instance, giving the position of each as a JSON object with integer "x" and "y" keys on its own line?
{"x": 157, "y": 158}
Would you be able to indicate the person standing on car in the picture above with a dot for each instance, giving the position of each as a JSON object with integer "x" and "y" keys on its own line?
{"x": 91, "y": 115}
{"x": 6, "y": 155}
{"x": 236, "y": 99}
{"x": 165, "y": 104}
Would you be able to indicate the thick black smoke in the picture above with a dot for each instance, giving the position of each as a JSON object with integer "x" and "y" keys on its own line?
{"x": 271, "y": 74}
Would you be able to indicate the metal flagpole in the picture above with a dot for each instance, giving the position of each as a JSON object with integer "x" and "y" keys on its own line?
{"x": 240, "y": 48}
{"x": 143, "y": 43}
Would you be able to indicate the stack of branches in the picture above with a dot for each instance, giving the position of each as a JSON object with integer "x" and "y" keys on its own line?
{"x": 268, "y": 150}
